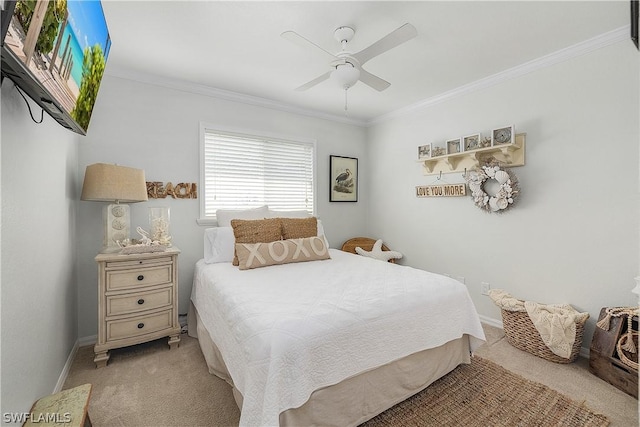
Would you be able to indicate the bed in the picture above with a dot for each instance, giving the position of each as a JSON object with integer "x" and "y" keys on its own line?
{"x": 328, "y": 342}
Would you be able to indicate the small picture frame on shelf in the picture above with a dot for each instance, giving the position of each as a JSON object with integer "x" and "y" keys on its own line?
{"x": 438, "y": 149}
{"x": 454, "y": 146}
{"x": 503, "y": 136}
{"x": 471, "y": 142}
{"x": 424, "y": 152}
{"x": 484, "y": 142}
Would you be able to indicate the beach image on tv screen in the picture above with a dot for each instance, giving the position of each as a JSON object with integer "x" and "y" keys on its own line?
{"x": 65, "y": 44}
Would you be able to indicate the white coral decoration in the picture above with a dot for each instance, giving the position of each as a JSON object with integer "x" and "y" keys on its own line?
{"x": 505, "y": 195}
{"x": 144, "y": 237}
{"x": 160, "y": 231}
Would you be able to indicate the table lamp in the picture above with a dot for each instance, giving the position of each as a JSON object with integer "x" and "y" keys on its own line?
{"x": 112, "y": 183}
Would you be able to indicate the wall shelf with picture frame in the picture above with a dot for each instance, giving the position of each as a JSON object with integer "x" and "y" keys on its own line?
{"x": 508, "y": 154}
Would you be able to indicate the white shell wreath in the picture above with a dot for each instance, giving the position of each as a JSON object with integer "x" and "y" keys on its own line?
{"x": 504, "y": 197}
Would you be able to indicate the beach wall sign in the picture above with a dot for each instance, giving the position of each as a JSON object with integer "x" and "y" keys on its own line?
{"x": 183, "y": 190}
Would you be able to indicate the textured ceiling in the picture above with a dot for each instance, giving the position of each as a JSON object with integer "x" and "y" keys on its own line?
{"x": 236, "y": 46}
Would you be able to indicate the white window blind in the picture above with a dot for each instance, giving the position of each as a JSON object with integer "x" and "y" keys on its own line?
{"x": 246, "y": 171}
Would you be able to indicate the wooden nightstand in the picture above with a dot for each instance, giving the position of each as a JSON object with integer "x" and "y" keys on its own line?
{"x": 137, "y": 300}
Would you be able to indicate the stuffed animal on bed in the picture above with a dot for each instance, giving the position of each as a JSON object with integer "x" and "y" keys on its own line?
{"x": 377, "y": 252}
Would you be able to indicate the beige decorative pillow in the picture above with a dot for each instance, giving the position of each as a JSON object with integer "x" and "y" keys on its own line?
{"x": 298, "y": 228}
{"x": 256, "y": 231}
{"x": 255, "y": 255}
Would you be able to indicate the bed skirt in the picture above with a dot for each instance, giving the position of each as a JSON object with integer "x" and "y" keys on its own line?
{"x": 358, "y": 398}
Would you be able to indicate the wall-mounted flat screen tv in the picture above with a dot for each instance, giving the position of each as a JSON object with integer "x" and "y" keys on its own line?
{"x": 56, "y": 52}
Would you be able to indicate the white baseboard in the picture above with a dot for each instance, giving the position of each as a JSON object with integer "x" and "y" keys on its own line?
{"x": 585, "y": 352}
{"x": 491, "y": 321}
{"x": 66, "y": 368}
{"x": 85, "y": 341}
{"x": 80, "y": 342}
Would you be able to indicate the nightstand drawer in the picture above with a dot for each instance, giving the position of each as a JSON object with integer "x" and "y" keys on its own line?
{"x": 140, "y": 325}
{"x": 138, "y": 262}
{"x": 139, "y": 301}
{"x": 122, "y": 279}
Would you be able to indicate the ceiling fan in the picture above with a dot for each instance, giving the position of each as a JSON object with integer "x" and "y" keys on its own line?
{"x": 346, "y": 67}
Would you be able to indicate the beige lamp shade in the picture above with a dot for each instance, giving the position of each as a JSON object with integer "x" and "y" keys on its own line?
{"x": 112, "y": 183}
{"x": 107, "y": 183}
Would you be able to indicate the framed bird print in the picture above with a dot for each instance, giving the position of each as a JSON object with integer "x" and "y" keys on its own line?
{"x": 343, "y": 179}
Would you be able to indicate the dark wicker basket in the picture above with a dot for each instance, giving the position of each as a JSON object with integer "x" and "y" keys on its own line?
{"x": 522, "y": 334}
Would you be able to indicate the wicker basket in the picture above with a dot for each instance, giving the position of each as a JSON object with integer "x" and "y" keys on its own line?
{"x": 522, "y": 334}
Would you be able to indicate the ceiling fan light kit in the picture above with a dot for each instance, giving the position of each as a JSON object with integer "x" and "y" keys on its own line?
{"x": 348, "y": 66}
{"x": 346, "y": 75}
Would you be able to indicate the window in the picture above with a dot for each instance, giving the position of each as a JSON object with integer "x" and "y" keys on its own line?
{"x": 243, "y": 170}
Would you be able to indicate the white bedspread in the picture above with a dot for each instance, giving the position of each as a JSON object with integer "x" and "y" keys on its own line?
{"x": 287, "y": 330}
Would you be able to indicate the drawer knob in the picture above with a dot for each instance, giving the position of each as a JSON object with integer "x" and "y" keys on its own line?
{"x": 141, "y": 277}
{"x": 141, "y": 301}
{"x": 140, "y": 325}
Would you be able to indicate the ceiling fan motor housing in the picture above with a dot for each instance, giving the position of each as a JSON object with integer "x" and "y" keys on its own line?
{"x": 344, "y": 34}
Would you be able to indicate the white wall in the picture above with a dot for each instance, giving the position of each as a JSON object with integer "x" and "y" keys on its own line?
{"x": 157, "y": 129}
{"x": 573, "y": 237}
{"x": 39, "y": 301}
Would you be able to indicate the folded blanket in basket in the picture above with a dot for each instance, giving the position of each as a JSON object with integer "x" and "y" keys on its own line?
{"x": 556, "y": 323}
{"x": 505, "y": 301}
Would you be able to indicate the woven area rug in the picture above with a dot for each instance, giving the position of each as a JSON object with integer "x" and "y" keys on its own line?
{"x": 485, "y": 394}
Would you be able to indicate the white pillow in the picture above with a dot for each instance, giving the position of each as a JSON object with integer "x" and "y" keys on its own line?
{"x": 288, "y": 214}
{"x": 321, "y": 233}
{"x": 225, "y": 216}
{"x": 219, "y": 245}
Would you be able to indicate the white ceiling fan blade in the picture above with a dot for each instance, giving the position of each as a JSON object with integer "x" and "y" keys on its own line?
{"x": 388, "y": 42}
{"x": 374, "y": 81}
{"x": 314, "y": 82}
{"x": 303, "y": 42}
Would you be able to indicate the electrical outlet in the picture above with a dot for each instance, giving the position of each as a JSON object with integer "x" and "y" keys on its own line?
{"x": 460, "y": 279}
{"x": 484, "y": 288}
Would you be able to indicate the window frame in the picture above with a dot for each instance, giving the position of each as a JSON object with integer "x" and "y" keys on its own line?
{"x": 249, "y": 133}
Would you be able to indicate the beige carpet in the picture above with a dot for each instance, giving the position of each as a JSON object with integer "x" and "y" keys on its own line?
{"x": 149, "y": 385}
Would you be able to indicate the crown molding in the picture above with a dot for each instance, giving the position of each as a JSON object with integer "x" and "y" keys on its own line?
{"x": 561, "y": 55}
{"x": 578, "y": 49}
{"x": 227, "y": 95}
